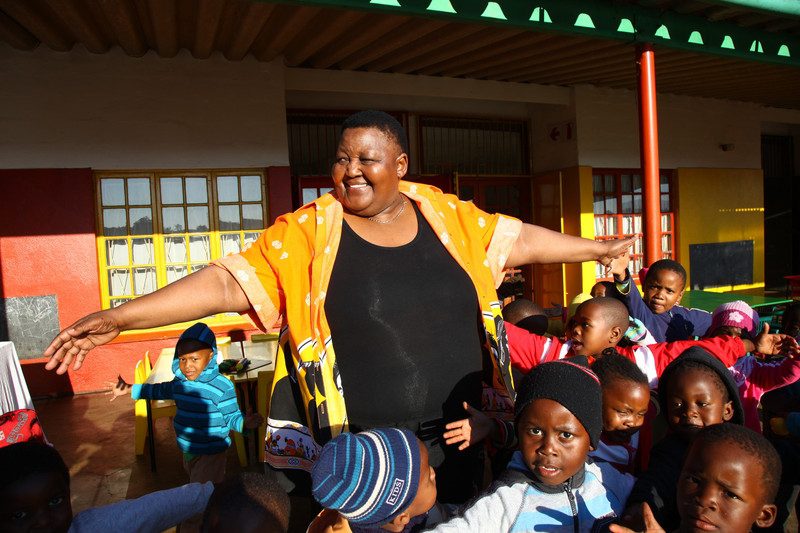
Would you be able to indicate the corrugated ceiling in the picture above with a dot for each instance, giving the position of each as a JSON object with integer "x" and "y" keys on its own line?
{"x": 329, "y": 38}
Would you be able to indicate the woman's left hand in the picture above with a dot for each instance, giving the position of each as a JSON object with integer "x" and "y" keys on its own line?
{"x": 615, "y": 248}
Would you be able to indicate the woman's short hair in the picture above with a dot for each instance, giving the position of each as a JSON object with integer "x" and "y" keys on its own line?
{"x": 381, "y": 121}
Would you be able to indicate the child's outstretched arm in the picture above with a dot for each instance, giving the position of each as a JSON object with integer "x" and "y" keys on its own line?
{"x": 470, "y": 430}
{"x": 120, "y": 388}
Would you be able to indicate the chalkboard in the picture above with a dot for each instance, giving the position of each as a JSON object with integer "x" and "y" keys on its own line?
{"x": 719, "y": 264}
{"x": 30, "y": 323}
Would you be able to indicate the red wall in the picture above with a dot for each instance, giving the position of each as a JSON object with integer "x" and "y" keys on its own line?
{"x": 48, "y": 246}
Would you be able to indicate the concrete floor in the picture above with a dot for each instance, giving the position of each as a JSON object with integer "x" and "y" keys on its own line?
{"x": 95, "y": 438}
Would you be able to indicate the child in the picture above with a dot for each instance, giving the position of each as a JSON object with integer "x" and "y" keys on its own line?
{"x": 601, "y": 289}
{"x": 206, "y": 404}
{"x": 376, "y": 480}
{"x": 658, "y": 307}
{"x": 600, "y": 323}
{"x": 626, "y": 401}
{"x": 35, "y": 496}
{"x": 754, "y": 376}
{"x": 525, "y": 314}
{"x": 549, "y": 484}
{"x": 727, "y": 482}
{"x": 696, "y": 391}
{"x": 247, "y": 502}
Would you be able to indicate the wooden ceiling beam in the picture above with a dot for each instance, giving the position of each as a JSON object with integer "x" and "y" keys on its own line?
{"x": 121, "y": 15}
{"x": 249, "y": 28}
{"x": 405, "y": 35}
{"x": 374, "y": 28}
{"x": 424, "y": 47}
{"x": 559, "y": 53}
{"x": 303, "y": 47}
{"x": 510, "y": 54}
{"x": 273, "y": 38}
{"x": 80, "y": 22}
{"x": 164, "y": 23}
{"x": 16, "y": 35}
{"x": 207, "y": 24}
{"x": 462, "y": 47}
{"x": 33, "y": 16}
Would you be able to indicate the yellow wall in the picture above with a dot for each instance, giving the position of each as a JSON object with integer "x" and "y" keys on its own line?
{"x": 721, "y": 205}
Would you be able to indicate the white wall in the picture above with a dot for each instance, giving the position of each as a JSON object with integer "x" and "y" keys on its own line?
{"x": 691, "y": 130}
{"x": 112, "y": 111}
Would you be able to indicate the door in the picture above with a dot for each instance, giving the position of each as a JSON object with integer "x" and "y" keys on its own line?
{"x": 781, "y": 227}
{"x": 507, "y": 195}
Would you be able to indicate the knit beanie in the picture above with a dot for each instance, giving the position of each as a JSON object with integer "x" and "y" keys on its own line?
{"x": 369, "y": 477}
{"x": 697, "y": 354}
{"x": 570, "y": 383}
{"x": 737, "y": 314}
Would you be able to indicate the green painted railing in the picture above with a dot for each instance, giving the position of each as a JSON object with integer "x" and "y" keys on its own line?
{"x": 602, "y": 18}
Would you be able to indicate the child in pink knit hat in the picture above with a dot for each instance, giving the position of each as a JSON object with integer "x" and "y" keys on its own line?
{"x": 753, "y": 375}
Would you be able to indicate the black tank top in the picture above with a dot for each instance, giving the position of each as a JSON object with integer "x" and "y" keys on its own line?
{"x": 404, "y": 324}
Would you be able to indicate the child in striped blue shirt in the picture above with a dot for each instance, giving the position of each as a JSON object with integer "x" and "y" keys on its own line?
{"x": 206, "y": 404}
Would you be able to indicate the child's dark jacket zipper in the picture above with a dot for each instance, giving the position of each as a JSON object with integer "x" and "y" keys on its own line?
{"x": 571, "y": 497}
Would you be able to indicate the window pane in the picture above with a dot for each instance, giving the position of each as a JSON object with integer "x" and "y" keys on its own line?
{"x": 227, "y": 189}
{"x": 199, "y": 248}
{"x": 173, "y": 219}
{"x": 665, "y": 223}
{"x": 196, "y": 191}
{"x": 627, "y": 225}
{"x": 141, "y": 221}
{"x": 143, "y": 251}
{"x": 611, "y": 205}
{"x": 195, "y": 268}
{"x": 611, "y": 185}
{"x": 249, "y": 239}
{"x": 637, "y": 203}
{"x": 117, "y": 252}
{"x": 138, "y": 191}
{"x": 171, "y": 191}
{"x": 251, "y": 216}
{"x": 251, "y": 188}
{"x": 229, "y": 217}
{"x": 144, "y": 280}
{"x": 637, "y": 224}
{"x": 611, "y": 226}
{"x": 665, "y": 202}
{"x": 198, "y": 218}
{"x": 599, "y": 205}
{"x": 637, "y": 183}
{"x": 625, "y": 180}
{"x": 113, "y": 191}
{"x": 309, "y": 194}
{"x": 597, "y": 183}
{"x": 119, "y": 282}
{"x": 175, "y": 249}
{"x": 230, "y": 244}
{"x": 118, "y": 301}
{"x": 664, "y": 181}
{"x": 627, "y": 203}
{"x": 665, "y": 244}
{"x": 325, "y": 190}
{"x": 114, "y": 222}
{"x": 599, "y": 227}
{"x": 175, "y": 273}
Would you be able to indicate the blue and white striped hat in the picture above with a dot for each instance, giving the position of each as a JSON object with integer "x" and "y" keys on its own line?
{"x": 369, "y": 477}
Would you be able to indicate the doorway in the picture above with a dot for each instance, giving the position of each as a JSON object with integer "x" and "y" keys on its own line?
{"x": 781, "y": 220}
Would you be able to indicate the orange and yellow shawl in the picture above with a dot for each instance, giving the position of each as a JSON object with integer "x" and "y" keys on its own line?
{"x": 285, "y": 275}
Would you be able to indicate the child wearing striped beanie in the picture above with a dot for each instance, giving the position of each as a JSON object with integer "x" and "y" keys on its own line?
{"x": 376, "y": 480}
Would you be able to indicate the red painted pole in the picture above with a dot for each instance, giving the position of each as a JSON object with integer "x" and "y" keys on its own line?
{"x": 648, "y": 149}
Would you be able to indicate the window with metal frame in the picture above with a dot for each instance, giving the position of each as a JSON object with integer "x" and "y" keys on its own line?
{"x": 618, "y": 212}
{"x": 478, "y": 147}
{"x": 155, "y": 227}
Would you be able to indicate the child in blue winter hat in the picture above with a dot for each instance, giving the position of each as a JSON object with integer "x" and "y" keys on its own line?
{"x": 376, "y": 480}
{"x": 206, "y": 404}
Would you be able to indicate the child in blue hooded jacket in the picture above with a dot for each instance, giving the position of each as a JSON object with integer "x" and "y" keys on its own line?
{"x": 206, "y": 404}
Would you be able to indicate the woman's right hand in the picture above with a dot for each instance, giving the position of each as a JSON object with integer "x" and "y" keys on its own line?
{"x": 74, "y": 342}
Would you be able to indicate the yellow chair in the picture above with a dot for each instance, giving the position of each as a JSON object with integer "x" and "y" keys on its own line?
{"x": 158, "y": 408}
{"x": 263, "y": 396}
{"x": 238, "y": 438}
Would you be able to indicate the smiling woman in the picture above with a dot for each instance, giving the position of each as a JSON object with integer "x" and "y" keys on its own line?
{"x": 387, "y": 293}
